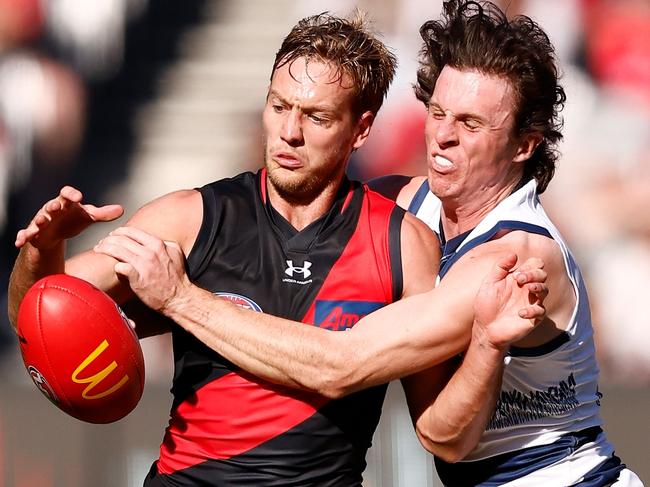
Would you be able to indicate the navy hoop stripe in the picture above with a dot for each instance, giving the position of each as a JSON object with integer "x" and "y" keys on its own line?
{"x": 419, "y": 197}
{"x": 502, "y": 225}
{"x": 510, "y": 466}
{"x": 543, "y": 349}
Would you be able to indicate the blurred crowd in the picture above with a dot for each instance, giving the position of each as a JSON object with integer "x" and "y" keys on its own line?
{"x": 51, "y": 51}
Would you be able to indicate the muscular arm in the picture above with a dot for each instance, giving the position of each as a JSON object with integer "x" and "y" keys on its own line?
{"x": 451, "y": 408}
{"x": 42, "y": 245}
{"x": 399, "y": 339}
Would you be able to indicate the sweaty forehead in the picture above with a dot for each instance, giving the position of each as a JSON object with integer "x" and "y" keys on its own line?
{"x": 312, "y": 81}
{"x": 469, "y": 91}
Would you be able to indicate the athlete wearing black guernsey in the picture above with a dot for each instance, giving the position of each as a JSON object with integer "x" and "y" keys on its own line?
{"x": 261, "y": 434}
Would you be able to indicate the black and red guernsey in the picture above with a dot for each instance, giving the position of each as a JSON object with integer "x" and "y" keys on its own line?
{"x": 227, "y": 427}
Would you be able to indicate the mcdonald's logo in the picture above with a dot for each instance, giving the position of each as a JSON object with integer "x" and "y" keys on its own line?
{"x": 94, "y": 380}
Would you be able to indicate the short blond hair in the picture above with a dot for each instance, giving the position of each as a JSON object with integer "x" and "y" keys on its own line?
{"x": 348, "y": 45}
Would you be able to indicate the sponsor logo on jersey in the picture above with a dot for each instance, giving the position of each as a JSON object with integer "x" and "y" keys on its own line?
{"x": 241, "y": 301}
{"x": 342, "y": 315}
{"x": 298, "y": 274}
{"x": 516, "y": 407}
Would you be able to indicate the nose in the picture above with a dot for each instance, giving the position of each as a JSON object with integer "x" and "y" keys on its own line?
{"x": 291, "y": 130}
{"x": 445, "y": 132}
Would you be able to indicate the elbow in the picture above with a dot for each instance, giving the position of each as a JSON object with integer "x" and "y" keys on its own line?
{"x": 339, "y": 377}
{"x": 12, "y": 311}
{"x": 450, "y": 449}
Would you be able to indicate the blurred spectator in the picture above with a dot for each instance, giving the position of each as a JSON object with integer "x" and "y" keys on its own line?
{"x": 21, "y": 21}
{"x": 91, "y": 35}
{"x": 42, "y": 108}
{"x": 617, "y": 45}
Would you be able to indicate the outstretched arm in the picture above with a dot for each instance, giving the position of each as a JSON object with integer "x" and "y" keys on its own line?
{"x": 42, "y": 242}
{"x": 400, "y": 339}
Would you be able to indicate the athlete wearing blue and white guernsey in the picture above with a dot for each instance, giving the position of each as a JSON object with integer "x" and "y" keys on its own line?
{"x": 546, "y": 428}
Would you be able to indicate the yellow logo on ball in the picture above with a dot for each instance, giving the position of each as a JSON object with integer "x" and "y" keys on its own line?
{"x": 93, "y": 380}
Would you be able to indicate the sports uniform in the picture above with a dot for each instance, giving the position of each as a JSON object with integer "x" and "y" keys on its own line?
{"x": 546, "y": 429}
{"x": 228, "y": 428}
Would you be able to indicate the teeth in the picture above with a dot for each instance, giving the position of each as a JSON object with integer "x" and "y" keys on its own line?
{"x": 443, "y": 161}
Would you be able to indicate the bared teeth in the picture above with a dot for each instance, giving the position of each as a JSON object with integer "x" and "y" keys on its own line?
{"x": 443, "y": 161}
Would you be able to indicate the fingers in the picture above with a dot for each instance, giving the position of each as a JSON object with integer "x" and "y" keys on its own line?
{"x": 70, "y": 193}
{"x": 127, "y": 244}
{"x": 534, "y": 312}
{"x": 532, "y": 263}
{"x": 105, "y": 213}
{"x": 127, "y": 270}
{"x": 40, "y": 221}
{"x": 63, "y": 208}
{"x": 138, "y": 235}
{"x": 121, "y": 248}
{"x": 539, "y": 289}
{"x": 502, "y": 267}
{"x": 529, "y": 276}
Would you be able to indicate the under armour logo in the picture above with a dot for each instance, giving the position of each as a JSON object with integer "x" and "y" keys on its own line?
{"x": 304, "y": 270}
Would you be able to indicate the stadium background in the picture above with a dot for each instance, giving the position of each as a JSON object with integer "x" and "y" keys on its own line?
{"x": 130, "y": 99}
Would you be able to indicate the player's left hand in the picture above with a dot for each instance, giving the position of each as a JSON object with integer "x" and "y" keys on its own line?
{"x": 509, "y": 304}
{"x": 154, "y": 268}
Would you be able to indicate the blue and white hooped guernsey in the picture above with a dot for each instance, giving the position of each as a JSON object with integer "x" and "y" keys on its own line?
{"x": 546, "y": 429}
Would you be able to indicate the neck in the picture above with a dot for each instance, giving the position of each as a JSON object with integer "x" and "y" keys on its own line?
{"x": 302, "y": 212}
{"x": 462, "y": 214}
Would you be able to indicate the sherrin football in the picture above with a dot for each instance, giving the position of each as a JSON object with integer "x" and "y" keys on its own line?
{"x": 80, "y": 350}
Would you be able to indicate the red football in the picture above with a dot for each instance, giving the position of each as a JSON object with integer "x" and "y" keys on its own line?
{"x": 79, "y": 349}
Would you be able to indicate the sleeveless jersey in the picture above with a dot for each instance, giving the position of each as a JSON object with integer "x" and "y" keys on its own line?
{"x": 546, "y": 428}
{"x": 228, "y": 428}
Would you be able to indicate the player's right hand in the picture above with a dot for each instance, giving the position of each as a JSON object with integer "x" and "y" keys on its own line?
{"x": 62, "y": 218}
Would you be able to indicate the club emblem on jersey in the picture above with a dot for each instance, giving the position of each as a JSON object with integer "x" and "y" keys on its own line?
{"x": 241, "y": 301}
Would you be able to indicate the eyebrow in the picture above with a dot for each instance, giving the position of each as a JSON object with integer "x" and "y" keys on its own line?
{"x": 462, "y": 115}
{"x": 321, "y": 108}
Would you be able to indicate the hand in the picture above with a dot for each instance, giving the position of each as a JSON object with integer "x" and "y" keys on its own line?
{"x": 62, "y": 218}
{"x": 154, "y": 268}
{"x": 508, "y": 304}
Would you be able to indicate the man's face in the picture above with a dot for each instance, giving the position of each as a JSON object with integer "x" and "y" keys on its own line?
{"x": 471, "y": 148}
{"x": 310, "y": 129}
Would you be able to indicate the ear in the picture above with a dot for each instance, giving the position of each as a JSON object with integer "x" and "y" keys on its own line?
{"x": 527, "y": 146}
{"x": 364, "y": 124}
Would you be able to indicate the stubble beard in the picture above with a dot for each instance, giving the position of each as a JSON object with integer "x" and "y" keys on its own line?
{"x": 300, "y": 189}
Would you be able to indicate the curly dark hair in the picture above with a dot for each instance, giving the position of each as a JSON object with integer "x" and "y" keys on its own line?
{"x": 348, "y": 45}
{"x": 478, "y": 36}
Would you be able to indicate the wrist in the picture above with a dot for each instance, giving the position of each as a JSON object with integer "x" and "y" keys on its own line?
{"x": 179, "y": 301}
{"x": 482, "y": 339}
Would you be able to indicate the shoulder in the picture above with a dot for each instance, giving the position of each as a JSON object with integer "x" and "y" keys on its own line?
{"x": 420, "y": 251}
{"x": 523, "y": 244}
{"x": 176, "y": 216}
{"x": 400, "y": 189}
{"x": 561, "y": 299}
{"x": 417, "y": 231}
{"x": 409, "y": 191}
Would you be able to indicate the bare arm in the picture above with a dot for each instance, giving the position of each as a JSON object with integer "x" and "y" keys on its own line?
{"x": 42, "y": 243}
{"x": 450, "y": 417}
{"x": 397, "y": 340}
